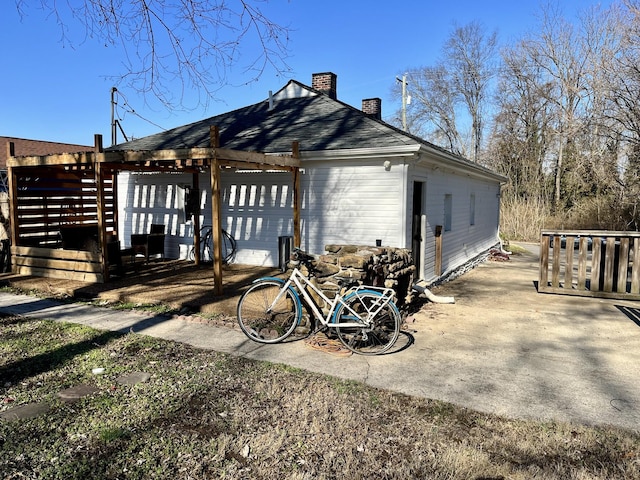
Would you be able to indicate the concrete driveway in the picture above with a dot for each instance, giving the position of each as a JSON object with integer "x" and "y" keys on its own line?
{"x": 502, "y": 348}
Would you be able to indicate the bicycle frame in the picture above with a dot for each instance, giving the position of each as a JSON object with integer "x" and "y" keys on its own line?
{"x": 302, "y": 283}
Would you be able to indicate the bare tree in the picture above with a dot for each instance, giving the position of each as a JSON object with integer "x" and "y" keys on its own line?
{"x": 454, "y": 92}
{"x": 195, "y": 41}
{"x": 620, "y": 73}
{"x": 470, "y": 57}
{"x": 522, "y": 126}
{"x": 433, "y": 105}
{"x": 558, "y": 51}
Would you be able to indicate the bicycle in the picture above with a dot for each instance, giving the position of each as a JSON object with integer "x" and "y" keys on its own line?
{"x": 365, "y": 319}
{"x": 206, "y": 246}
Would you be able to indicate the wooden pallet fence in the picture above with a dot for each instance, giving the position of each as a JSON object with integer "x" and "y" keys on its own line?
{"x": 590, "y": 263}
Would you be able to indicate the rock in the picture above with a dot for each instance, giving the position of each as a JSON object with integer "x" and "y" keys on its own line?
{"x": 73, "y": 394}
{"x": 133, "y": 378}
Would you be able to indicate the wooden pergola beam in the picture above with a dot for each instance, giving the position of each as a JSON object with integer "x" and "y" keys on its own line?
{"x": 132, "y": 159}
{"x": 183, "y": 160}
{"x": 222, "y": 154}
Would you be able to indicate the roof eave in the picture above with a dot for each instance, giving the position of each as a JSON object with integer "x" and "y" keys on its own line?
{"x": 362, "y": 153}
{"x": 437, "y": 157}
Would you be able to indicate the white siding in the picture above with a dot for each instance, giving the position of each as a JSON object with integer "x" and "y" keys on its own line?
{"x": 464, "y": 241}
{"x": 342, "y": 202}
{"x": 356, "y": 204}
{"x": 144, "y": 199}
{"x": 257, "y": 209}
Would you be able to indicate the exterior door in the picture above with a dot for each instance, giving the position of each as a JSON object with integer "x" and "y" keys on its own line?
{"x": 416, "y": 226}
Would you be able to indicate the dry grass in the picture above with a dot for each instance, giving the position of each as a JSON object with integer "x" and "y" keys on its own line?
{"x": 521, "y": 219}
{"x": 208, "y": 415}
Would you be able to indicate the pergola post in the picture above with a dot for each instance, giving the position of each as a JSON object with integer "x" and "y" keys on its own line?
{"x": 102, "y": 230}
{"x": 195, "y": 183}
{"x": 295, "y": 153}
{"x": 216, "y": 216}
{"x": 216, "y": 226}
{"x": 13, "y": 200}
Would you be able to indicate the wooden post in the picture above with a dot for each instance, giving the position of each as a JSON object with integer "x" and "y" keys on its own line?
{"x": 438, "y": 260}
{"x": 216, "y": 226}
{"x": 216, "y": 217}
{"x": 97, "y": 143}
{"x": 568, "y": 266}
{"x": 555, "y": 261}
{"x": 297, "y": 198}
{"x": 623, "y": 265}
{"x": 13, "y": 204}
{"x": 544, "y": 262}
{"x": 596, "y": 252}
{"x": 582, "y": 263}
{"x": 196, "y": 218}
{"x": 102, "y": 229}
{"x": 635, "y": 269}
{"x": 214, "y": 136}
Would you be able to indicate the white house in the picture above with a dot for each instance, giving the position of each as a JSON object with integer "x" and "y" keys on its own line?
{"x": 362, "y": 180}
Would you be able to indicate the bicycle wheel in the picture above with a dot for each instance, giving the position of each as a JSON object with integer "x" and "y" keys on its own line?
{"x": 206, "y": 244}
{"x": 228, "y": 247}
{"x": 376, "y": 338}
{"x": 263, "y": 321}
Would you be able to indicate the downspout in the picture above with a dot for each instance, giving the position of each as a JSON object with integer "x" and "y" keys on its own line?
{"x": 423, "y": 290}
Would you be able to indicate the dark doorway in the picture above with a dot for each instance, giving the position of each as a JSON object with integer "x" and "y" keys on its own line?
{"x": 416, "y": 227}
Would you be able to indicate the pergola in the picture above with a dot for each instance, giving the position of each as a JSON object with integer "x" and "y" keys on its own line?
{"x": 75, "y": 191}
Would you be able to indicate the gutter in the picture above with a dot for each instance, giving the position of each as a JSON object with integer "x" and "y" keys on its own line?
{"x": 412, "y": 150}
{"x": 457, "y": 164}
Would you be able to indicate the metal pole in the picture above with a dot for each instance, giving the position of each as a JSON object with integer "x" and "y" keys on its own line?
{"x": 404, "y": 102}
{"x": 114, "y": 131}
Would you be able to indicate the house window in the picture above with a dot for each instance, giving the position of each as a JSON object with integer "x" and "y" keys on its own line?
{"x": 472, "y": 209}
{"x": 448, "y": 204}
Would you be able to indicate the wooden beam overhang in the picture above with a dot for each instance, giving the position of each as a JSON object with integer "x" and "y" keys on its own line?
{"x": 183, "y": 160}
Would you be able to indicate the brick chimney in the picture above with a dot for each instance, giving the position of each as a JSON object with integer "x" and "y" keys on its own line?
{"x": 372, "y": 107}
{"x": 326, "y": 83}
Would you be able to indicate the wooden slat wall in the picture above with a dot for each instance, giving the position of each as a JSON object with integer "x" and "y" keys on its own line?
{"x": 50, "y": 198}
{"x": 57, "y": 263}
{"x": 590, "y": 263}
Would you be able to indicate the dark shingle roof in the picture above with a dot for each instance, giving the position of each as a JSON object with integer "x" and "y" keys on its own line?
{"x": 317, "y": 122}
{"x": 300, "y": 113}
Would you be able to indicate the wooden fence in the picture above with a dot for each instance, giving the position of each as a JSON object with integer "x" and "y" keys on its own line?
{"x": 590, "y": 263}
{"x": 58, "y": 263}
{"x": 56, "y": 232}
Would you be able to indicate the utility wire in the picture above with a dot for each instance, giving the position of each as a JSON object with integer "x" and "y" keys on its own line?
{"x": 129, "y": 109}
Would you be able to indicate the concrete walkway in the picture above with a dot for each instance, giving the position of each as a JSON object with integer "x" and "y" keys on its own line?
{"x": 502, "y": 348}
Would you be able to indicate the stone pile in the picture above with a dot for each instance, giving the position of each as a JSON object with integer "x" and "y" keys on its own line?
{"x": 376, "y": 266}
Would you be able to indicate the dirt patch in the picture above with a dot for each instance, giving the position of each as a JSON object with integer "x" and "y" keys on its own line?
{"x": 178, "y": 284}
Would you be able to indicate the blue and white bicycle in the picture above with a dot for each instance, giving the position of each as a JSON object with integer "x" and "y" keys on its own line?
{"x": 365, "y": 319}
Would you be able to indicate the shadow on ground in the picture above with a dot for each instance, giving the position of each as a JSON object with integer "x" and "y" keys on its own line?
{"x": 181, "y": 285}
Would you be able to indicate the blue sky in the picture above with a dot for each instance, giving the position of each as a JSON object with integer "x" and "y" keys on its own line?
{"x": 58, "y": 92}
